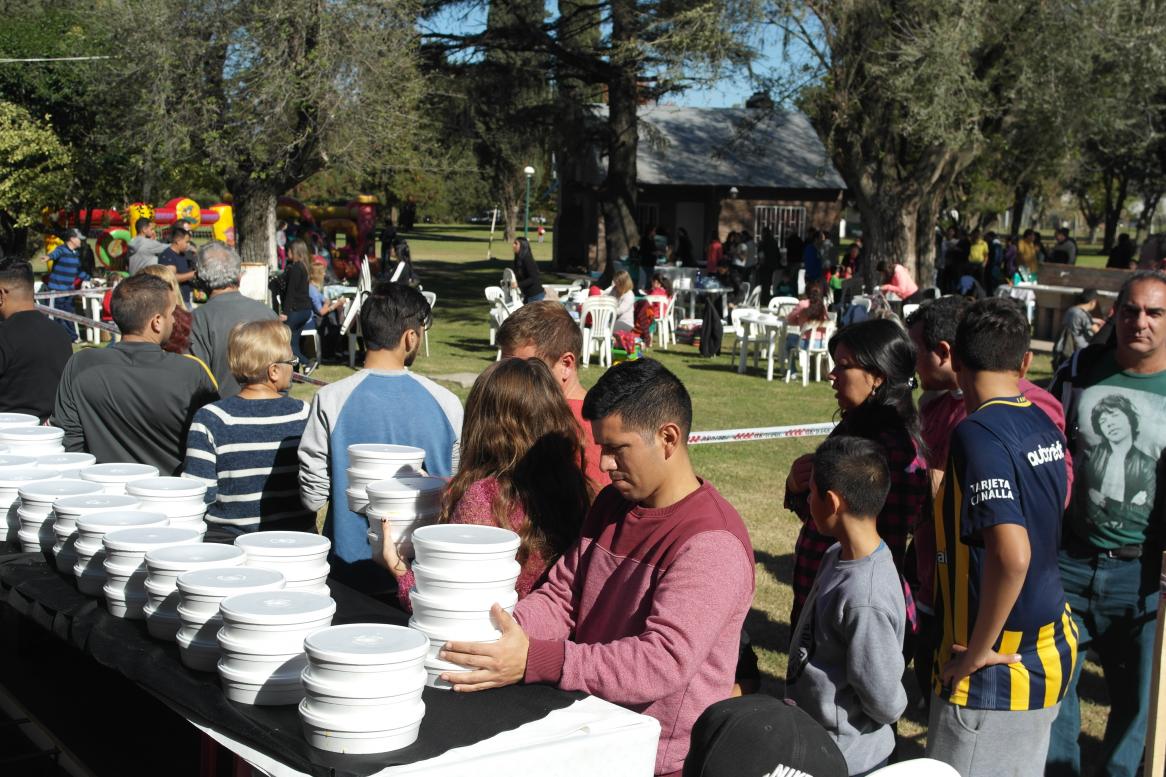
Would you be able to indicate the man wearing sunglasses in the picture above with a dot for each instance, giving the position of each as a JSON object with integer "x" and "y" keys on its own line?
{"x": 383, "y": 403}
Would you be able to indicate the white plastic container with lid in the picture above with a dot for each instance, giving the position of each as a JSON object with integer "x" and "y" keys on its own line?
{"x": 11, "y": 479}
{"x": 162, "y": 624}
{"x": 406, "y": 497}
{"x": 164, "y": 565}
{"x": 114, "y": 476}
{"x": 33, "y": 440}
{"x": 177, "y": 497}
{"x": 450, "y": 547}
{"x": 36, "y": 508}
{"x": 68, "y": 509}
{"x": 360, "y": 733}
{"x": 69, "y": 465}
{"x": 472, "y": 585}
{"x": 273, "y": 689}
{"x": 298, "y": 554}
{"x": 458, "y": 634}
{"x": 89, "y": 567}
{"x": 366, "y": 688}
{"x": 10, "y": 420}
{"x": 385, "y": 460}
{"x": 357, "y": 498}
{"x": 125, "y": 565}
{"x": 359, "y": 653}
{"x": 200, "y": 592}
{"x": 9, "y": 459}
{"x": 384, "y": 708}
{"x": 451, "y": 615}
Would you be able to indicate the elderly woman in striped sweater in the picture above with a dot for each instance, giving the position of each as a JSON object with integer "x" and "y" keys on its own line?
{"x": 244, "y": 447}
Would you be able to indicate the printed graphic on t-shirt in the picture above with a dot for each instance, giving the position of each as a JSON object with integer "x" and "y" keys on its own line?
{"x": 1115, "y": 486}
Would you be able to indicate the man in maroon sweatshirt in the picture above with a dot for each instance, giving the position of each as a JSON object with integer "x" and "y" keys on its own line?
{"x": 646, "y": 609}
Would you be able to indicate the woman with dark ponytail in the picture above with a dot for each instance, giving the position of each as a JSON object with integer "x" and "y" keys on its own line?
{"x": 873, "y": 379}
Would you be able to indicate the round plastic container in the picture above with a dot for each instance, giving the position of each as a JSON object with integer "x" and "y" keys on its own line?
{"x": 385, "y": 460}
{"x": 199, "y": 654}
{"x": 451, "y": 615}
{"x": 125, "y": 565}
{"x": 67, "y": 510}
{"x": 90, "y": 565}
{"x": 15, "y": 460}
{"x": 11, "y": 479}
{"x": 359, "y": 653}
{"x": 177, "y": 497}
{"x": 297, "y": 554}
{"x": 361, "y": 733}
{"x": 406, "y": 497}
{"x": 472, "y": 586}
{"x": 261, "y": 687}
{"x": 357, "y": 498}
{"x": 69, "y": 465}
{"x": 441, "y": 636}
{"x": 273, "y": 623}
{"x": 164, "y": 565}
{"x": 11, "y": 420}
{"x": 372, "y": 688}
{"x": 201, "y": 590}
{"x": 33, "y": 440}
{"x": 113, "y": 477}
{"x": 450, "y": 547}
{"x": 400, "y": 529}
{"x": 36, "y": 508}
{"x": 162, "y": 624}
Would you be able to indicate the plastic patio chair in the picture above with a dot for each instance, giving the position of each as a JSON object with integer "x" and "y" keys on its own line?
{"x": 431, "y": 298}
{"x": 598, "y": 333}
{"x": 664, "y": 330}
{"x": 816, "y": 335}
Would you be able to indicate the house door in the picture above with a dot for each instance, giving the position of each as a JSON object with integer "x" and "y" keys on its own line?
{"x": 690, "y": 215}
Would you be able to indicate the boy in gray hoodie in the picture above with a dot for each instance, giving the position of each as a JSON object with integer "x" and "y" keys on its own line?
{"x": 846, "y": 654}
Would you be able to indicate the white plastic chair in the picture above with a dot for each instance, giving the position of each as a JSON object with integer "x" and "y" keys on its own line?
{"x": 752, "y": 297}
{"x": 431, "y": 298}
{"x": 908, "y": 309}
{"x": 664, "y": 332}
{"x": 598, "y": 334}
{"x": 782, "y": 306}
{"x": 819, "y": 333}
{"x": 917, "y": 767}
{"x": 494, "y": 296}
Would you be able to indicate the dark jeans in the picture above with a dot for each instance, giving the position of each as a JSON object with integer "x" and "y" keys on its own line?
{"x": 1115, "y": 607}
{"x": 296, "y": 321}
{"x": 534, "y": 298}
{"x": 68, "y": 305}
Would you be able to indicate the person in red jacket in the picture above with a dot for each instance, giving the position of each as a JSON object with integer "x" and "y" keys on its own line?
{"x": 646, "y": 609}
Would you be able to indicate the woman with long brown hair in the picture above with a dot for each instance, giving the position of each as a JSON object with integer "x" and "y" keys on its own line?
{"x": 521, "y": 469}
{"x": 296, "y": 303}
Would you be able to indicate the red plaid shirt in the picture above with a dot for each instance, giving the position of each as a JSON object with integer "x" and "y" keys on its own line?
{"x": 906, "y": 505}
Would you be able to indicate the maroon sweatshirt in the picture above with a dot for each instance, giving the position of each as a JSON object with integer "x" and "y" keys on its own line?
{"x": 646, "y": 611}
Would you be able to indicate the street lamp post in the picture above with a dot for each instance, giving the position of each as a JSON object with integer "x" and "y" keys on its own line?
{"x": 529, "y": 172}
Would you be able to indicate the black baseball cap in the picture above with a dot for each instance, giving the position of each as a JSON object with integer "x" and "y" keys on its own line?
{"x": 758, "y": 735}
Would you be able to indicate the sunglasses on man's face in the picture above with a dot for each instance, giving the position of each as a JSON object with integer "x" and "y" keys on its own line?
{"x": 292, "y": 362}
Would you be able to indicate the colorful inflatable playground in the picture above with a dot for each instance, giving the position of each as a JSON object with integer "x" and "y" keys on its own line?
{"x": 355, "y": 221}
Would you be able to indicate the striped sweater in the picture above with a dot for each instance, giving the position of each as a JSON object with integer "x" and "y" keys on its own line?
{"x": 245, "y": 451}
{"x": 66, "y": 269}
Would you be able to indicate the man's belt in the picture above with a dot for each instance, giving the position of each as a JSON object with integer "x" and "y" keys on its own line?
{"x": 1079, "y": 547}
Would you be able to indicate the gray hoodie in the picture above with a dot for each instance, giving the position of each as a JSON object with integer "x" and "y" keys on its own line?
{"x": 846, "y": 655}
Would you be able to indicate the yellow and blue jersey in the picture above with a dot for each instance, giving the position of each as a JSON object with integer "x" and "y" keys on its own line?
{"x": 1006, "y": 466}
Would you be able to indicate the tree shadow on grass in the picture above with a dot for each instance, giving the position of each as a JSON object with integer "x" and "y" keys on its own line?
{"x": 714, "y": 366}
{"x": 473, "y": 345}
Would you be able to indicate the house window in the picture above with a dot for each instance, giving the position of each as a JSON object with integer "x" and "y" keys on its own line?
{"x": 647, "y": 215}
{"x": 781, "y": 220}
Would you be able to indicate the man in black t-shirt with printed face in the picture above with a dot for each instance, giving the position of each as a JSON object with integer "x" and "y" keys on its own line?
{"x": 177, "y": 255}
{"x": 33, "y": 349}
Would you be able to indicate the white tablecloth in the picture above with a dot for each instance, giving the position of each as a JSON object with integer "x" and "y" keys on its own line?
{"x": 589, "y": 737}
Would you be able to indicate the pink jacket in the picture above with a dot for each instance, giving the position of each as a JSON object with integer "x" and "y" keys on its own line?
{"x": 901, "y": 283}
{"x": 646, "y": 611}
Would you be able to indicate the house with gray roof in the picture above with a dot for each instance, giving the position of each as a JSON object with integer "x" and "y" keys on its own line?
{"x": 708, "y": 170}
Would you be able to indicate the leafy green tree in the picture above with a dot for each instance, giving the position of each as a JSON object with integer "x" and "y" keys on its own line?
{"x": 36, "y": 168}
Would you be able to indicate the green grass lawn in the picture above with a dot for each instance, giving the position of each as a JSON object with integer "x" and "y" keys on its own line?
{"x": 451, "y": 262}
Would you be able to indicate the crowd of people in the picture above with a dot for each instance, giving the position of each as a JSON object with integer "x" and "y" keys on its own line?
{"x": 987, "y": 535}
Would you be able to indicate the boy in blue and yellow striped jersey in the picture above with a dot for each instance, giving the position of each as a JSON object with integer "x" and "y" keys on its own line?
{"x": 1008, "y": 643}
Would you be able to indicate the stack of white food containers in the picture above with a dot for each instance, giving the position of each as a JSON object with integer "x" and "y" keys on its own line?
{"x": 114, "y": 476}
{"x": 461, "y": 571}
{"x": 67, "y": 465}
{"x": 9, "y": 420}
{"x": 301, "y": 556}
{"x": 199, "y": 593}
{"x": 33, "y": 440}
{"x": 12, "y": 477}
{"x": 406, "y": 503}
{"x": 36, "y": 510}
{"x": 183, "y": 499}
{"x": 370, "y": 462}
{"x": 262, "y": 643}
{"x": 363, "y": 684}
{"x": 68, "y": 509}
{"x": 90, "y": 565}
{"x": 125, "y": 565}
{"x": 163, "y": 566}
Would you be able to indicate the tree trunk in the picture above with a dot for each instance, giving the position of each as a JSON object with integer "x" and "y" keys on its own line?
{"x": 618, "y": 193}
{"x": 888, "y": 234}
{"x": 254, "y": 205}
{"x": 1019, "y": 199}
{"x": 1113, "y": 208}
{"x": 1145, "y": 223}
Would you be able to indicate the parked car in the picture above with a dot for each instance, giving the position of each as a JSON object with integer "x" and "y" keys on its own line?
{"x": 485, "y": 217}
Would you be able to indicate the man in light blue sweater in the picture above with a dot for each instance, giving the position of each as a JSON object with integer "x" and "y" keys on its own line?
{"x": 846, "y": 655}
{"x": 383, "y": 403}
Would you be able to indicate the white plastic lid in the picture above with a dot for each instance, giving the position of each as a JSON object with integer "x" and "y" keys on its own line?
{"x": 386, "y": 452}
{"x": 118, "y": 472}
{"x": 14, "y": 477}
{"x": 12, "y": 460}
{"x": 100, "y": 523}
{"x": 92, "y": 503}
{"x": 66, "y": 460}
{"x": 19, "y": 435}
{"x": 466, "y": 538}
{"x": 475, "y": 573}
{"x": 283, "y": 543}
{"x": 184, "y": 556}
{"x": 277, "y": 607}
{"x": 227, "y": 581}
{"x": 359, "y": 643}
{"x": 51, "y": 490}
{"x": 405, "y": 489}
{"x": 8, "y": 420}
{"x": 146, "y": 538}
{"x": 175, "y": 488}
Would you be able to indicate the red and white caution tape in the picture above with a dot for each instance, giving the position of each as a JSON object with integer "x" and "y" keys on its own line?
{"x": 766, "y": 433}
